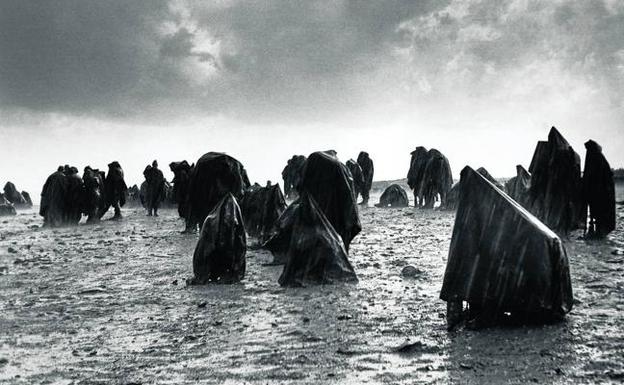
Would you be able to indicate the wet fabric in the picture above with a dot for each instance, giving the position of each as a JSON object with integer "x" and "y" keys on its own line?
{"x": 74, "y": 198}
{"x": 13, "y": 196}
{"x": 155, "y": 188}
{"x": 518, "y": 186}
{"x": 327, "y": 180}
{"x": 261, "y": 208}
{"x": 27, "y": 198}
{"x": 94, "y": 201}
{"x": 219, "y": 256}
{"x": 452, "y": 198}
{"x": 316, "y": 255}
{"x": 52, "y": 207}
{"x": 502, "y": 257}
{"x": 437, "y": 178}
{"x": 181, "y": 176}
{"x": 357, "y": 176}
{"x": 368, "y": 171}
{"x": 291, "y": 174}
{"x": 598, "y": 192}
{"x": 416, "y": 173}
{"x": 279, "y": 238}
{"x": 555, "y": 193}
{"x": 214, "y": 176}
{"x": 393, "y": 196}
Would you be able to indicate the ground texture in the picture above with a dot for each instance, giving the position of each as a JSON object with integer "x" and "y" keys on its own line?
{"x": 108, "y": 304}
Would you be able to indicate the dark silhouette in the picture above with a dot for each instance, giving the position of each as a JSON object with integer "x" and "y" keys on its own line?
{"x": 181, "y": 177}
{"x": 452, "y": 198}
{"x": 292, "y": 175}
{"x": 437, "y": 179}
{"x": 368, "y": 171}
{"x": 598, "y": 192}
{"x": 74, "y": 197}
{"x": 518, "y": 186}
{"x": 416, "y": 173}
{"x": 261, "y": 208}
{"x": 317, "y": 253}
{"x": 16, "y": 198}
{"x": 214, "y": 175}
{"x": 219, "y": 256}
{"x": 555, "y": 192}
{"x": 6, "y": 208}
{"x": 393, "y": 196}
{"x": 357, "y": 175}
{"x": 52, "y": 207}
{"x": 93, "y": 200}
{"x": 503, "y": 260}
{"x": 155, "y": 187}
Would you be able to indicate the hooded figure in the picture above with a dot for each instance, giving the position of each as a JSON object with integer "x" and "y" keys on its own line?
{"x": 155, "y": 189}
{"x": 220, "y": 252}
{"x": 292, "y": 175}
{"x": 74, "y": 197}
{"x": 181, "y": 175}
{"x": 393, "y": 196}
{"x": 115, "y": 190}
{"x": 53, "y": 202}
{"x": 518, "y": 186}
{"x": 358, "y": 177}
{"x": 452, "y": 198}
{"x": 14, "y": 197}
{"x": 416, "y": 174}
{"x": 317, "y": 254}
{"x": 555, "y": 194}
{"x": 437, "y": 179}
{"x": 503, "y": 260}
{"x": 598, "y": 192}
{"x": 368, "y": 171}
{"x": 93, "y": 199}
{"x": 261, "y": 207}
{"x": 214, "y": 175}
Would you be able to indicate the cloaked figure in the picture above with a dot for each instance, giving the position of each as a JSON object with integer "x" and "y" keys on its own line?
{"x": 393, "y": 196}
{"x": 181, "y": 175}
{"x": 555, "y": 194}
{"x": 215, "y": 175}
{"x": 598, "y": 192}
{"x": 155, "y": 193}
{"x": 74, "y": 197}
{"x": 504, "y": 262}
{"x": 291, "y": 174}
{"x": 115, "y": 190}
{"x": 368, "y": 171}
{"x": 416, "y": 174}
{"x": 518, "y": 186}
{"x": 53, "y": 202}
{"x": 357, "y": 175}
{"x": 219, "y": 256}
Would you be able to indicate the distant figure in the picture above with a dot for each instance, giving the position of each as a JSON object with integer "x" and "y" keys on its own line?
{"x": 292, "y": 175}
{"x": 14, "y": 197}
{"x": 73, "y": 197}
{"x": 93, "y": 199}
{"x": 598, "y": 192}
{"x": 155, "y": 188}
{"x": 555, "y": 194}
{"x": 368, "y": 170}
{"x": 52, "y": 207}
{"x": 393, "y": 196}
{"x": 115, "y": 189}
{"x": 416, "y": 173}
{"x": 358, "y": 178}
{"x": 437, "y": 179}
{"x": 181, "y": 176}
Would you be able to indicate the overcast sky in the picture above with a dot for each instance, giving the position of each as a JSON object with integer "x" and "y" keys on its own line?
{"x": 88, "y": 82}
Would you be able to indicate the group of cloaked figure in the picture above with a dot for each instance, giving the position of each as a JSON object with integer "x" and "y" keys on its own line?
{"x": 506, "y": 262}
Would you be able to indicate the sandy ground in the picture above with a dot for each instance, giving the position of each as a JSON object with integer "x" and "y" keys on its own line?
{"x": 107, "y": 304}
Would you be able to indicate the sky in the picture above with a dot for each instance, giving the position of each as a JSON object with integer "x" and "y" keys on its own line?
{"x": 86, "y": 82}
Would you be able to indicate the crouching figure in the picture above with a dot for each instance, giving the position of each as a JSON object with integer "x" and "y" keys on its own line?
{"x": 504, "y": 262}
{"x": 220, "y": 252}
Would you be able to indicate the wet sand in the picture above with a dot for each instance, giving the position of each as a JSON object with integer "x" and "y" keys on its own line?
{"x": 107, "y": 304}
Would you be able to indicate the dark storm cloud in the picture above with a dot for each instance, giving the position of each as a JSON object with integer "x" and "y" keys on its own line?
{"x": 292, "y": 58}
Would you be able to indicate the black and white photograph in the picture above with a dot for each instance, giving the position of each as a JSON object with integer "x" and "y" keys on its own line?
{"x": 253, "y": 192}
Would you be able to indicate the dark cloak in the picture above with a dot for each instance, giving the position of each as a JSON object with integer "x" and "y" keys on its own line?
{"x": 555, "y": 193}
{"x": 214, "y": 176}
{"x": 155, "y": 187}
{"x": 74, "y": 198}
{"x": 52, "y": 207}
{"x": 503, "y": 258}
{"x": 181, "y": 176}
{"x": 598, "y": 191}
{"x": 13, "y": 196}
{"x": 220, "y": 252}
{"x": 518, "y": 186}
{"x": 262, "y": 207}
{"x": 393, "y": 196}
{"x": 316, "y": 254}
{"x": 368, "y": 171}
{"x": 327, "y": 180}
{"x": 452, "y": 198}
{"x": 357, "y": 176}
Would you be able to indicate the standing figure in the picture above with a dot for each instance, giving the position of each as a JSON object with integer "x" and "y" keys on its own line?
{"x": 598, "y": 192}
{"x": 416, "y": 173}
{"x": 181, "y": 176}
{"x": 74, "y": 196}
{"x": 115, "y": 189}
{"x": 53, "y": 199}
{"x": 155, "y": 188}
{"x": 368, "y": 170}
{"x": 358, "y": 178}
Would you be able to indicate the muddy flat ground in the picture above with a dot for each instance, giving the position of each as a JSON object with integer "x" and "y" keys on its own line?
{"x": 108, "y": 304}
